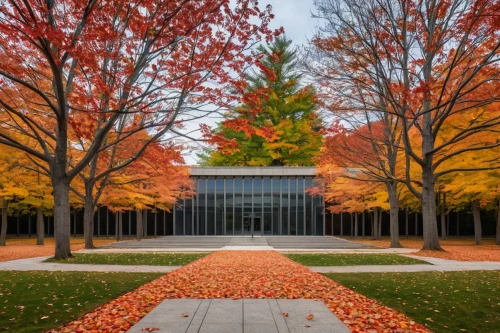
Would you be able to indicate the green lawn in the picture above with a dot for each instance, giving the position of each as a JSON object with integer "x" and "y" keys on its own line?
{"x": 37, "y": 301}
{"x": 444, "y": 302}
{"x": 352, "y": 259}
{"x": 153, "y": 259}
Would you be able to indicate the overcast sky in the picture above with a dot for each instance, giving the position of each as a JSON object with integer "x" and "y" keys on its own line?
{"x": 295, "y": 17}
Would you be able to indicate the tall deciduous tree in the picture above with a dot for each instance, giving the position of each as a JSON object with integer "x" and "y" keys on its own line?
{"x": 370, "y": 146}
{"x": 435, "y": 60}
{"x": 85, "y": 65}
{"x": 277, "y": 123}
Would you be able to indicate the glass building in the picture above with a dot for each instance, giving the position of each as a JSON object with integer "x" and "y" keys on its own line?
{"x": 239, "y": 201}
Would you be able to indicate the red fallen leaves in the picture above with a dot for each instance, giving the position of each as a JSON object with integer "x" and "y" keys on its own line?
{"x": 454, "y": 249}
{"x": 245, "y": 274}
{"x": 150, "y": 329}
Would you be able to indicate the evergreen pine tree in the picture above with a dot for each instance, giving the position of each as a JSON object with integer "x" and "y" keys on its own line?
{"x": 277, "y": 123}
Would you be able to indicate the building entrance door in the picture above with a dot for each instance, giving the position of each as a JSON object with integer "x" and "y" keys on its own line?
{"x": 252, "y": 226}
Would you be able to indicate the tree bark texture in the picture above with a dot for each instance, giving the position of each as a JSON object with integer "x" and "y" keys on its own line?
{"x": 40, "y": 227}
{"x": 393, "y": 215}
{"x": 430, "y": 229}
{"x": 62, "y": 216}
{"x": 139, "y": 224}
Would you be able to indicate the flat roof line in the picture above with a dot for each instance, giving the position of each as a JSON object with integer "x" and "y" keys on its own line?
{"x": 252, "y": 171}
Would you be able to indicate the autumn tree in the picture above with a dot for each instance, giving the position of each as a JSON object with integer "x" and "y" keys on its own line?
{"x": 345, "y": 192}
{"x": 477, "y": 190}
{"x": 277, "y": 122}
{"x": 154, "y": 181}
{"x": 435, "y": 61}
{"x": 84, "y": 65}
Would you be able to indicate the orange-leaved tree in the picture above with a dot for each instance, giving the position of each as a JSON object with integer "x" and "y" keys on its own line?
{"x": 433, "y": 61}
{"x": 83, "y": 66}
{"x": 155, "y": 181}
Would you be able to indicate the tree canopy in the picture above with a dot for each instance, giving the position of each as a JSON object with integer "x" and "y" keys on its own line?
{"x": 277, "y": 123}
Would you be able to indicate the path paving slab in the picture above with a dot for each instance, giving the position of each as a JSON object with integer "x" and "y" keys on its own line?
{"x": 240, "y": 316}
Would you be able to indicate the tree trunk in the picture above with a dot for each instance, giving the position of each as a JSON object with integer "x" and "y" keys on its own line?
{"x": 443, "y": 217}
{"x": 120, "y": 224}
{"x": 62, "y": 231}
{"x": 3, "y": 229}
{"x": 498, "y": 224}
{"x": 375, "y": 224}
{"x": 430, "y": 229}
{"x": 88, "y": 216}
{"x": 393, "y": 215}
{"x": 144, "y": 223}
{"x": 139, "y": 224}
{"x": 476, "y": 213}
{"x": 40, "y": 227}
{"x": 379, "y": 234}
{"x": 355, "y": 225}
{"x": 117, "y": 225}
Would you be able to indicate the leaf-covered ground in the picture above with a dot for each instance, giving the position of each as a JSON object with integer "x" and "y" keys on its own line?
{"x": 151, "y": 259}
{"x": 353, "y": 259}
{"x": 443, "y": 301}
{"x": 462, "y": 249}
{"x": 33, "y": 302}
{"x": 245, "y": 274}
{"x": 20, "y": 248}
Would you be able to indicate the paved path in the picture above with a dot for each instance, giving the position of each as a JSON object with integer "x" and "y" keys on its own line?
{"x": 238, "y": 316}
{"x": 37, "y": 264}
{"x": 439, "y": 265}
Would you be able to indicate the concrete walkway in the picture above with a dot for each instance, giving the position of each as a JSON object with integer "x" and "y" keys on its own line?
{"x": 439, "y": 265}
{"x": 238, "y": 316}
{"x": 37, "y": 264}
{"x": 436, "y": 265}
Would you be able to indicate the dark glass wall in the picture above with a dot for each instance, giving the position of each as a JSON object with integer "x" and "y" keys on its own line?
{"x": 227, "y": 206}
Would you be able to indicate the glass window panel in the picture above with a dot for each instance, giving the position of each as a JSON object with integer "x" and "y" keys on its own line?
{"x": 179, "y": 218}
{"x": 293, "y": 206}
{"x": 284, "y": 206}
{"x": 257, "y": 205}
{"x": 219, "y": 206}
{"x": 300, "y": 206}
{"x": 267, "y": 206}
{"x": 276, "y": 205}
{"x": 201, "y": 205}
{"x": 238, "y": 205}
{"x": 188, "y": 214}
{"x": 309, "y": 183}
{"x": 229, "y": 206}
{"x": 247, "y": 208}
{"x": 319, "y": 215}
{"x": 210, "y": 206}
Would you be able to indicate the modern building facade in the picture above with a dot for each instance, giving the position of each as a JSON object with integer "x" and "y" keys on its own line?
{"x": 251, "y": 200}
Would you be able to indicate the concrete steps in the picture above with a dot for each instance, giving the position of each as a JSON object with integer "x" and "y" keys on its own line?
{"x": 217, "y": 242}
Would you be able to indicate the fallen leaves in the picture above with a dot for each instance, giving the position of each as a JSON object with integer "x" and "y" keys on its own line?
{"x": 462, "y": 249}
{"x": 310, "y": 317}
{"x": 150, "y": 329}
{"x": 244, "y": 274}
{"x": 20, "y": 248}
